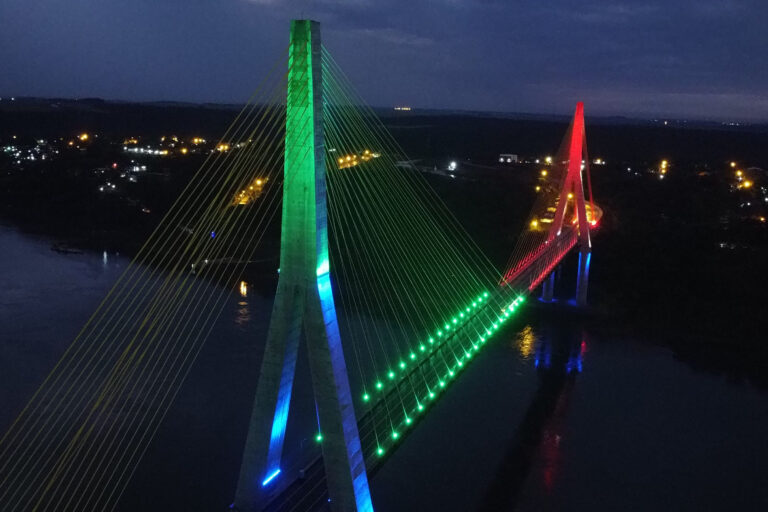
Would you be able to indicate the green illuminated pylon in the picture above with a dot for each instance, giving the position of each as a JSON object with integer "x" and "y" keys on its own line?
{"x": 304, "y": 299}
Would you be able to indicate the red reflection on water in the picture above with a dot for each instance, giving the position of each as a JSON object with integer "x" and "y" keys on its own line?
{"x": 551, "y": 440}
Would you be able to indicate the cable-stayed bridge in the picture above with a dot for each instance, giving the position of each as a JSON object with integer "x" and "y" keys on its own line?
{"x": 390, "y": 295}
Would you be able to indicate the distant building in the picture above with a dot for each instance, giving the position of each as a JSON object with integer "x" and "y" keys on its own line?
{"x": 507, "y": 158}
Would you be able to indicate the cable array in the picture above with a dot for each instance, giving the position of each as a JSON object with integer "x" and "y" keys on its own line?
{"x": 81, "y": 436}
{"x": 531, "y": 242}
{"x": 418, "y": 295}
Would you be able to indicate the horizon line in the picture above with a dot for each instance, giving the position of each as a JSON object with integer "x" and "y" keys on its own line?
{"x": 648, "y": 117}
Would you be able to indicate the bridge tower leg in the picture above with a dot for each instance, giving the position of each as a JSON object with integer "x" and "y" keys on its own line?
{"x": 582, "y": 279}
{"x": 304, "y": 301}
{"x": 548, "y": 288}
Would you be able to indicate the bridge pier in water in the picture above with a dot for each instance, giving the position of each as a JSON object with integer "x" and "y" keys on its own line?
{"x": 304, "y": 303}
{"x": 582, "y": 278}
{"x": 548, "y": 288}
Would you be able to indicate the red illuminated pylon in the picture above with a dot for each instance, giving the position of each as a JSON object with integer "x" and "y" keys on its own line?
{"x": 572, "y": 182}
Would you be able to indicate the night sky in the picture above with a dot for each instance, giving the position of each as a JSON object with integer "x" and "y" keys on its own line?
{"x": 702, "y": 59}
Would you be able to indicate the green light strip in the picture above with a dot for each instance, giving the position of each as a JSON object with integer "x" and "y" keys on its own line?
{"x": 452, "y": 373}
{"x": 428, "y": 347}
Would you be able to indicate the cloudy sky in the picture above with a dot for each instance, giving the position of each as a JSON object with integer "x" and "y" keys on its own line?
{"x": 705, "y": 59}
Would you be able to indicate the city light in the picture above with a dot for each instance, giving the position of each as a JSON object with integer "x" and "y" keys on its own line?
{"x": 252, "y": 192}
{"x": 83, "y": 137}
{"x": 543, "y": 173}
{"x": 354, "y": 159}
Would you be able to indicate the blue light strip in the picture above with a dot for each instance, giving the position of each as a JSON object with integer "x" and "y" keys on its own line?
{"x": 270, "y": 478}
{"x": 354, "y": 450}
{"x": 281, "y": 415}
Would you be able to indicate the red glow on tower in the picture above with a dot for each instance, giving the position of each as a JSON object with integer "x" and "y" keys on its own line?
{"x": 572, "y": 182}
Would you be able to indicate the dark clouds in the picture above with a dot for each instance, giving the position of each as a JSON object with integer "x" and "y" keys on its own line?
{"x": 693, "y": 58}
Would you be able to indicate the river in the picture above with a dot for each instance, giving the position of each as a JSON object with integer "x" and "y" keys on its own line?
{"x": 554, "y": 414}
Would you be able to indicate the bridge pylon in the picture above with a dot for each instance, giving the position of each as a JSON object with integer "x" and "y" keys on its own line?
{"x": 573, "y": 187}
{"x": 304, "y": 303}
{"x": 573, "y": 184}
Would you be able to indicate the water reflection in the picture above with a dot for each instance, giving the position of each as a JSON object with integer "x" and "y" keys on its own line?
{"x": 525, "y": 342}
{"x": 243, "y": 312}
{"x": 558, "y": 357}
{"x": 551, "y": 438}
{"x": 572, "y": 361}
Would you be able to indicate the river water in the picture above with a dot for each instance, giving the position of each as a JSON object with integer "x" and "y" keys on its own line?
{"x": 553, "y": 415}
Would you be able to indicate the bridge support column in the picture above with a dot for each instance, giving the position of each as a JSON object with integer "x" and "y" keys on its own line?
{"x": 582, "y": 279}
{"x": 548, "y": 288}
{"x": 304, "y": 302}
